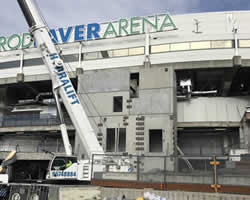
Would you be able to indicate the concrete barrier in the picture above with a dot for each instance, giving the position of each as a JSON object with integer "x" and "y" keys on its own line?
{"x": 133, "y": 194}
{"x": 80, "y": 193}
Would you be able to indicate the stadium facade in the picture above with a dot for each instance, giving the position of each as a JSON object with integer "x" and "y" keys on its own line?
{"x": 156, "y": 85}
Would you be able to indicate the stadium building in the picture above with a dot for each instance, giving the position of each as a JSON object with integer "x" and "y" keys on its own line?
{"x": 155, "y": 85}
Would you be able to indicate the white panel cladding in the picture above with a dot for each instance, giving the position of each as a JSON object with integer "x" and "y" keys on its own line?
{"x": 114, "y": 62}
{"x": 212, "y": 109}
{"x": 191, "y": 56}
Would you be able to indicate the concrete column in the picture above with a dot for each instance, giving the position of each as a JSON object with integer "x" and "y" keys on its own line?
{"x": 79, "y": 71}
{"x": 20, "y": 75}
{"x": 244, "y": 134}
{"x": 237, "y": 61}
{"x": 226, "y": 144}
{"x": 2, "y": 104}
{"x": 147, "y": 62}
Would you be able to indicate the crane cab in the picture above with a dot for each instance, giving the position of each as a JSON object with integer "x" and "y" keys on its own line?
{"x": 63, "y": 168}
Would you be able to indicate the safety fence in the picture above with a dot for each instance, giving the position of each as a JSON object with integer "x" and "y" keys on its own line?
{"x": 210, "y": 170}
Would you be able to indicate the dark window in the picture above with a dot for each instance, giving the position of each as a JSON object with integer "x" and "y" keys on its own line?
{"x": 155, "y": 140}
{"x": 110, "y": 140}
{"x": 134, "y": 85}
{"x": 122, "y": 139}
{"x": 116, "y": 140}
{"x": 117, "y": 104}
{"x": 59, "y": 163}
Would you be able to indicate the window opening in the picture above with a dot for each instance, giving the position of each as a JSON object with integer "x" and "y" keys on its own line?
{"x": 116, "y": 140}
{"x": 117, "y": 104}
{"x": 110, "y": 143}
{"x": 134, "y": 85}
{"x": 155, "y": 140}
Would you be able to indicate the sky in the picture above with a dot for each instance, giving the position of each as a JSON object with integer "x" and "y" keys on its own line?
{"x": 64, "y": 13}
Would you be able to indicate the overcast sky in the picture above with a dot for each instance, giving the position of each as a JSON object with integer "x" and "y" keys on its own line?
{"x": 63, "y": 13}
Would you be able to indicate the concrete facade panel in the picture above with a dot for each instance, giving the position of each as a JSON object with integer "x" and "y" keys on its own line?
{"x": 104, "y": 80}
{"x": 154, "y": 101}
{"x": 116, "y": 122}
{"x": 155, "y": 77}
{"x": 164, "y": 123}
{"x": 96, "y": 104}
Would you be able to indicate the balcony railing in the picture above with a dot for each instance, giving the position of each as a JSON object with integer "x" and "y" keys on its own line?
{"x": 44, "y": 120}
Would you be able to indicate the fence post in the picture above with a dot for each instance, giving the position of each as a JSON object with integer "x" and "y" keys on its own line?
{"x": 216, "y": 186}
{"x": 138, "y": 167}
{"x": 92, "y": 164}
{"x": 165, "y": 169}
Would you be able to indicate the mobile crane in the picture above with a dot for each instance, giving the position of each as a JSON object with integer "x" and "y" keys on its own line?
{"x": 65, "y": 167}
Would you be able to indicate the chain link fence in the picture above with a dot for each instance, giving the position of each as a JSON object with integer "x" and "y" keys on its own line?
{"x": 163, "y": 169}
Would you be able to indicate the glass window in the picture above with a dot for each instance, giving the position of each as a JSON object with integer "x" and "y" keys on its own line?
{"x": 244, "y": 43}
{"x": 110, "y": 53}
{"x": 180, "y": 46}
{"x": 91, "y": 56}
{"x": 200, "y": 45}
{"x": 70, "y": 58}
{"x": 221, "y": 44}
{"x": 106, "y": 54}
{"x": 33, "y": 62}
{"x": 11, "y": 64}
{"x": 120, "y": 52}
{"x": 59, "y": 163}
{"x": 136, "y": 51}
{"x": 159, "y": 48}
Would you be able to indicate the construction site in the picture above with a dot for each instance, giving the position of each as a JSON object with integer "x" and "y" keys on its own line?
{"x": 154, "y": 107}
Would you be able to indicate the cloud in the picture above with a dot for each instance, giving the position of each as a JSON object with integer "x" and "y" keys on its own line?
{"x": 63, "y": 13}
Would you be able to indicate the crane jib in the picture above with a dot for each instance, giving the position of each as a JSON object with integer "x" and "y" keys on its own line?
{"x": 64, "y": 79}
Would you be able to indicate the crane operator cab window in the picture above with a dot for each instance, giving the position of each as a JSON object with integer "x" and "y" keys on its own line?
{"x": 62, "y": 163}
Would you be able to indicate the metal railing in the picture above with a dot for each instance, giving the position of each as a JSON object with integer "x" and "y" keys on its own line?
{"x": 18, "y": 121}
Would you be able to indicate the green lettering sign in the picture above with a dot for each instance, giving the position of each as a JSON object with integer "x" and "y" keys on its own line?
{"x": 146, "y": 21}
{"x": 26, "y": 40}
{"x": 11, "y": 39}
{"x": 122, "y": 27}
{"x": 110, "y": 30}
{"x": 134, "y": 24}
{"x": 3, "y": 42}
{"x": 167, "y": 22}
